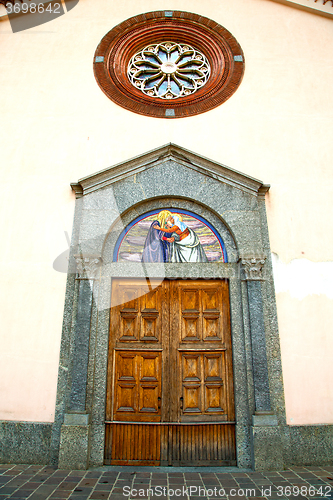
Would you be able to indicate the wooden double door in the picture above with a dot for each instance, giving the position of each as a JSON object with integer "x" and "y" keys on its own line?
{"x": 170, "y": 398}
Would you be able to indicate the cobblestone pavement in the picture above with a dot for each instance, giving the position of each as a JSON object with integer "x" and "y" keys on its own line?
{"x": 152, "y": 483}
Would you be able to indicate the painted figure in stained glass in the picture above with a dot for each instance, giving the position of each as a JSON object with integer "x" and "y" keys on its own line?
{"x": 156, "y": 247}
{"x": 184, "y": 243}
{"x": 165, "y": 236}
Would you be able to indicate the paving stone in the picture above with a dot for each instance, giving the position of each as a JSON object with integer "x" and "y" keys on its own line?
{"x": 53, "y": 480}
{"x": 106, "y": 487}
{"x": 6, "y": 490}
{"x": 100, "y": 495}
{"x": 87, "y": 482}
{"x": 78, "y": 497}
{"x": 31, "y": 485}
{"x": 67, "y": 486}
{"x": 41, "y": 483}
{"x": 21, "y": 494}
{"x": 82, "y": 490}
{"x": 60, "y": 494}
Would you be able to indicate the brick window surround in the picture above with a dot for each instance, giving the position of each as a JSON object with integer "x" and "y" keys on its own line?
{"x": 123, "y": 41}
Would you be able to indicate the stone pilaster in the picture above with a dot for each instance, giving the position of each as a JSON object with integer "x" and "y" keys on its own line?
{"x": 265, "y": 436}
{"x": 75, "y": 431}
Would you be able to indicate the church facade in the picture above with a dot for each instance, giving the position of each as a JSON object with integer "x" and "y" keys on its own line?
{"x": 167, "y": 252}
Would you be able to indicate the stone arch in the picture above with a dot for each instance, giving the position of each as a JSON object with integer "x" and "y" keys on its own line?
{"x": 173, "y": 203}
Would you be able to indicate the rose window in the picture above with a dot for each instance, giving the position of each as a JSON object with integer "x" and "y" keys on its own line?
{"x": 168, "y": 70}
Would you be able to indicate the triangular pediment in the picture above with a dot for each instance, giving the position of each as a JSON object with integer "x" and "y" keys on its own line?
{"x": 169, "y": 152}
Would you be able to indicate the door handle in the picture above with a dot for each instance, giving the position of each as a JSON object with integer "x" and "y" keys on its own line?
{"x": 159, "y": 403}
{"x": 181, "y": 403}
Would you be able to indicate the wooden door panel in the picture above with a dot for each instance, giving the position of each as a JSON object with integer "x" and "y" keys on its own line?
{"x": 126, "y": 398}
{"x": 192, "y": 399}
{"x": 190, "y": 299}
{"x": 140, "y": 398}
{"x": 181, "y": 330}
{"x": 191, "y": 331}
{"x": 138, "y": 312}
{"x": 128, "y": 296}
{"x": 191, "y": 367}
{"x": 133, "y": 444}
{"x": 190, "y": 326}
{"x": 201, "y": 445}
{"x": 150, "y": 367}
{"x": 211, "y": 326}
{"x": 148, "y": 398}
{"x": 126, "y": 367}
{"x": 211, "y": 298}
{"x": 150, "y": 315}
{"x": 201, "y": 310}
{"x": 203, "y": 384}
{"x": 149, "y": 326}
{"x": 214, "y": 398}
{"x": 213, "y": 366}
{"x": 152, "y": 299}
{"x": 129, "y": 326}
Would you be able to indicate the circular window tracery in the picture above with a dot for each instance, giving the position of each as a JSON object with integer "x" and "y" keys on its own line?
{"x": 168, "y": 70}
{"x": 114, "y": 58}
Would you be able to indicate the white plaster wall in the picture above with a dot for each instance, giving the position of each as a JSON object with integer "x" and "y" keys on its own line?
{"x": 57, "y": 126}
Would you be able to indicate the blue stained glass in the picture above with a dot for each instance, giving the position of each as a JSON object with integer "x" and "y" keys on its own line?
{"x": 146, "y": 66}
{"x": 192, "y": 66}
{"x": 163, "y": 55}
{"x": 150, "y": 84}
{"x": 163, "y": 87}
{"x": 153, "y": 59}
{"x": 184, "y": 59}
{"x": 185, "y": 83}
{"x": 174, "y": 55}
{"x": 174, "y": 87}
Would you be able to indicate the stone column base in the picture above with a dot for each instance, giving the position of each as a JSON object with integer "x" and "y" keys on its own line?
{"x": 266, "y": 445}
{"x": 74, "y": 442}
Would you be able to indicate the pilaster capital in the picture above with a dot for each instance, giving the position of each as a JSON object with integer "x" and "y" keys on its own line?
{"x": 87, "y": 266}
{"x": 253, "y": 267}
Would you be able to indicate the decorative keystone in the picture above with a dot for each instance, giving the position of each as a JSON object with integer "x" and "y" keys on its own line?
{"x": 87, "y": 267}
{"x": 252, "y": 267}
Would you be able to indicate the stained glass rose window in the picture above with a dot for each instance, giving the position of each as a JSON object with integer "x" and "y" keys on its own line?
{"x": 169, "y": 64}
{"x": 168, "y": 70}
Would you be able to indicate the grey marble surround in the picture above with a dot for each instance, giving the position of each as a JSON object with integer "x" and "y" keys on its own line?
{"x": 172, "y": 177}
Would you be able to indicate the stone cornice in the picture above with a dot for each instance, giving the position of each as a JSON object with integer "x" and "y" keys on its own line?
{"x": 166, "y": 153}
{"x": 77, "y": 188}
{"x": 319, "y": 7}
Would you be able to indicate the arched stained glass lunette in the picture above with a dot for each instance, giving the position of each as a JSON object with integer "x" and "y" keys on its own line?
{"x": 170, "y": 235}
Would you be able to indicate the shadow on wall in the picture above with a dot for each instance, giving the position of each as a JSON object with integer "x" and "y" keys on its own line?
{"x": 26, "y": 15}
